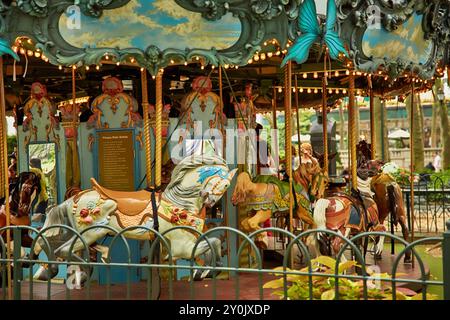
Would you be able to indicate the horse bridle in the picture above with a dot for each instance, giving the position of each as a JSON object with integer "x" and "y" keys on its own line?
{"x": 215, "y": 185}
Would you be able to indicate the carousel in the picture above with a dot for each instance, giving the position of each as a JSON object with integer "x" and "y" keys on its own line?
{"x": 141, "y": 168}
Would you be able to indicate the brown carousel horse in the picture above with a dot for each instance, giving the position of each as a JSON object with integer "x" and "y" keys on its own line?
{"x": 267, "y": 195}
{"x": 22, "y": 195}
{"x": 387, "y": 192}
{"x": 363, "y": 210}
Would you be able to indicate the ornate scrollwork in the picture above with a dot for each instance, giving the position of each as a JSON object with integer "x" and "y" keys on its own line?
{"x": 260, "y": 20}
{"x": 94, "y": 8}
{"x": 37, "y": 8}
{"x": 355, "y": 17}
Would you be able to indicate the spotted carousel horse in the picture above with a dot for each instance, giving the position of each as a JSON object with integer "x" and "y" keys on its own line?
{"x": 23, "y": 192}
{"x": 265, "y": 196}
{"x": 197, "y": 181}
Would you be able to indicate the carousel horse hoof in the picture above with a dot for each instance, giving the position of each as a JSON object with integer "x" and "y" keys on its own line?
{"x": 199, "y": 275}
{"x": 45, "y": 273}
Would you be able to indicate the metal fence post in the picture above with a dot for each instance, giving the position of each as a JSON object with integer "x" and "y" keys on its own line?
{"x": 446, "y": 261}
{"x": 17, "y": 267}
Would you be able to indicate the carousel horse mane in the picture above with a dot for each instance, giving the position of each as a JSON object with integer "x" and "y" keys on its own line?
{"x": 176, "y": 191}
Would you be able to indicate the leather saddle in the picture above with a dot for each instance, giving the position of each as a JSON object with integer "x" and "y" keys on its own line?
{"x": 130, "y": 203}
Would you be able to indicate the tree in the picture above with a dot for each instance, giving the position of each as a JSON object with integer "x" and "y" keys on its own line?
{"x": 417, "y": 132}
{"x": 12, "y": 143}
{"x": 381, "y": 130}
{"x": 445, "y": 127}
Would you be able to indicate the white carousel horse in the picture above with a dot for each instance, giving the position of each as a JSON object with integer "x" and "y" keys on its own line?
{"x": 197, "y": 181}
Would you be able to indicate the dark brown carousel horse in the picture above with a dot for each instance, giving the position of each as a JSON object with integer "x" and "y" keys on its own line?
{"x": 366, "y": 208}
{"x": 22, "y": 195}
{"x": 387, "y": 192}
{"x": 389, "y": 198}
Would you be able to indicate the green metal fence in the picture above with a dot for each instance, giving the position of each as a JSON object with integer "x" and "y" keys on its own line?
{"x": 315, "y": 280}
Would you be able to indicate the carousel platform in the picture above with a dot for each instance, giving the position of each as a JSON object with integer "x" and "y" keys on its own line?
{"x": 203, "y": 290}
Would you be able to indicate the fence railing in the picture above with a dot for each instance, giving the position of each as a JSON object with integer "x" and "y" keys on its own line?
{"x": 431, "y": 205}
{"x": 248, "y": 276}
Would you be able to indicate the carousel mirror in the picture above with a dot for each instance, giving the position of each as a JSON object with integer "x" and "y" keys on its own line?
{"x": 42, "y": 160}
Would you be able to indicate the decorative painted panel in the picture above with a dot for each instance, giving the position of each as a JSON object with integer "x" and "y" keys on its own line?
{"x": 40, "y": 131}
{"x": 113, "y": 112}
{"x": 201, "y": 110}
{"x": 396, "y": 36}
{"x": 140, "y": 23}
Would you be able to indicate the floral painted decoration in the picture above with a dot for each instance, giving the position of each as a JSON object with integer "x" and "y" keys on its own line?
{"x": 181, "y": 217}
{"x": 89, "y": 214}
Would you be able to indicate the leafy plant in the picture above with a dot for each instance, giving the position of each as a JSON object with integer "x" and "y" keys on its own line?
{"x": 323, "y": 287}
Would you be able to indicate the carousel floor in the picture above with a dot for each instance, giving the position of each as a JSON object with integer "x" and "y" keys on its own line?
{"x": 226, "y": 289}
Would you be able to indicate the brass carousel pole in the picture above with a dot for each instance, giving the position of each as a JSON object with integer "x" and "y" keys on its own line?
{"x": 325, "y": 123}
{"x": 4, "y": 161}
{"x": 411, "y": 178}
{"x": 297, "y": 110}
{"x": 75, "y": 167}
{"x": 373, "y": 145}
{"x": 288, "y": 136}
{"x": 352, "y": 129}
{"x": 158, "y": 129}
{"x": 224, "y": 148}
{"x": 145, "y": 105}
{"x": 275, "y": 126}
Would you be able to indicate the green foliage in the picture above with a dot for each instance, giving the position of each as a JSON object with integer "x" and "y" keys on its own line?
{"x": 402, "y": 176}
{"x": 440, "y": 179}
{"x": 323, "y": 287}
{"x": 12, "y": 142}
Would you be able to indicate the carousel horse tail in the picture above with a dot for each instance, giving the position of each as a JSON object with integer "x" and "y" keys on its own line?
{"x": 396, "y": 200}
{"x": 320, "y": 210}
{"x": 242, "y": 184}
